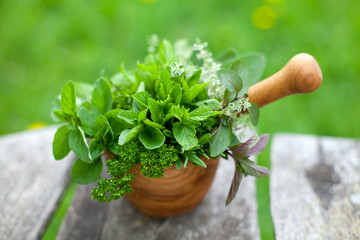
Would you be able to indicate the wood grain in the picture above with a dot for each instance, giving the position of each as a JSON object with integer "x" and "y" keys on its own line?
{"x": 31, "y": 183}
{"x": 176, "y": 193}
{"x": 315, "y": 187}
{"x": 301, "y": 74}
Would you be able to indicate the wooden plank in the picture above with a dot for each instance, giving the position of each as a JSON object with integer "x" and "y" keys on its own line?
{"x": 211, "y": 220}
{"x": 31, "y": 183}
{"x": 315, "y": 187}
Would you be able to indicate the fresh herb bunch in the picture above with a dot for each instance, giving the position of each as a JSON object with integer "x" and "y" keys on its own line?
{"x": 177, "y": 106}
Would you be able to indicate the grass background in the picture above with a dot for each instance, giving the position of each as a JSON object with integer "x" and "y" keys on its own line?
{"x": 44, "y": 43}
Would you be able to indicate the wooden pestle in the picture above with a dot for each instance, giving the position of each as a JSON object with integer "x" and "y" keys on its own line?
{"x": 301, "y": 74}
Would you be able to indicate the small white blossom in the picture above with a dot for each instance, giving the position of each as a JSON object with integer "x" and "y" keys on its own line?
{"x": 176, "y": 69}
{"x": 153, "y": 42}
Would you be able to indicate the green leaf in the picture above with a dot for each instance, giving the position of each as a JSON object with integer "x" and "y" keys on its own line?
{"x": 151, "y": 137}
{"x": 234, "y": 141}
{"x": 255, "y": 63}
{"x": 196, "y": 160}
{"x": 129, "y": 134}
{"x": 116, "y": 123}
{"x": 155, "y": 110}
{"x": 84, "y": 90}
{"x": 190, "y": 94}
{"x": 78, "y": 144}
{"x": 176, "y": 94}
{"x": 166, "y": 52}
{"x": 153, "y": 124}
{"x": 142, "y": 116}
{"x": 101, "y": 101}
{"x": 185, "y": 135}
{"x": 204, "y": 138}
{"x": 62, "y": 116}
{"x": 87, "y": 120}
{"x": 234, "y": 184}
{"x": 103, "y": 130}
{"x": 202, "y": 113}
{"x": 240, "y": 68}
{"x": 141, "y": 98}
{"x": 194, "y": 79}
{"x": 211, "y": 103}
{"x": 252, "y": 169}
{"x": 61, "y": 143}
{"x": 85, "y": 173}
{"x": 129, "y": 116}
{"x": 230, "y": 80}
{"x": 229, "y": 96}
{"x": 178, "y": 164}
{"x": 220, "y": 141}
{"x": 254, "y": 113}
{"x": 68, "y": 99}
{"x": 96, "y": 148}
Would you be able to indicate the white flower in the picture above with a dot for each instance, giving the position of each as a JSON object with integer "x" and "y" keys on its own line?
{"x": 153, "y": 42}
{"x": 176, "y": 69}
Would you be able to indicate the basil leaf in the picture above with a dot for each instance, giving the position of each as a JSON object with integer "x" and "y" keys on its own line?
{"x": 240, "y": 151}
{"x": 153, "y": 124}
{"x": 151, "y": 138}
{"x": 101, "y": 101}
{"x": 259, "y": 146}
{"x": 240, "y": 68}
{"x": 85, "y": 173}
{"x": 220, "y": 141}
{"x": 252, "y": 169}
{"x": 234, "y": 184}
{"x": 61, "y": 143}
{"x": 255, "y": 63}
{"x": 129, "y": 134}
{"x": 78, "y": 144}
{"x": 185, "y": 135}
{"x": 68, "y": 99}
{"x": 230, "y": 80}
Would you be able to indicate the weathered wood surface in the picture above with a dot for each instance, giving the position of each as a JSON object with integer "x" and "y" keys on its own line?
{"x": 87, "y": 219}
{"x": 315, "y": 187}
{"x": 31, "y": 183}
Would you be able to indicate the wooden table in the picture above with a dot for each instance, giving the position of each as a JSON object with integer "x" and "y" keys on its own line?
{"x": 315, "y": 194}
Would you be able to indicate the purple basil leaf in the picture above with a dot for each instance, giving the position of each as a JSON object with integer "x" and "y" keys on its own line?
{"x": 259, "y": 146}
{"x": 240, "y": 151}
{"x": 234, "y": 184}
{"x": 252, "y": 169}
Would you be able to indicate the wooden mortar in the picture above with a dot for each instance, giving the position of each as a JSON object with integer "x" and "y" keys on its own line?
{"x": 180, "y": 191}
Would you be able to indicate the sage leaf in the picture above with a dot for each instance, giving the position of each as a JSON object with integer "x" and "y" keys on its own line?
{"x": 68, "y": 99}
{"x": 185, "y": 135}
{"x": 61, "y": 142}
{"x": 255, "y": 63}
{"x": 234, "y": 184}
{"x": 202, "y": 113}
{"x": 220, "y": 141}
{"x": 254, "y": 113}
{"x": 151, "y": 138}
{"x": 78, "y": 144}
{"x": 101, "y": 101}
{"x": 213, "y": 104}
{"x": 85, "y": 173}
{"x": 230, "y": 80}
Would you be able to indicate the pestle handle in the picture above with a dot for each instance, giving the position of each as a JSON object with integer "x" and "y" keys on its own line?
{"x": 301, "y": 74}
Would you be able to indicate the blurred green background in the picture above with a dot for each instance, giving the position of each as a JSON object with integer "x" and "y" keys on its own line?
{"x": 44, "y": 43}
